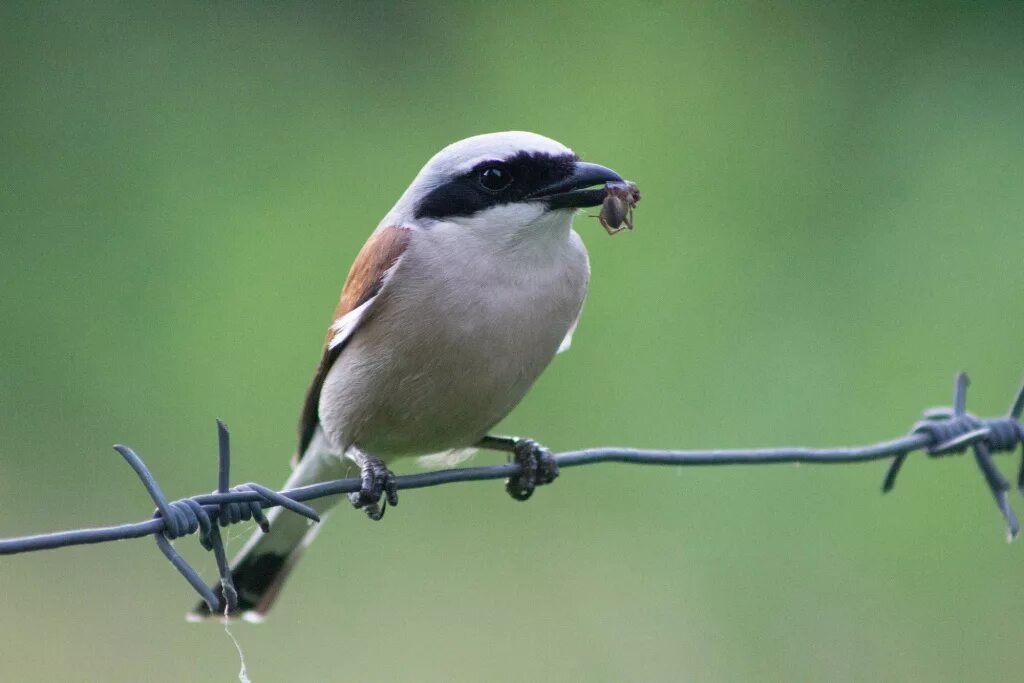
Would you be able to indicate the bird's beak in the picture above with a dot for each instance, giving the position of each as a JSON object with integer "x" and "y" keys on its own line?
{"x": 572, "y": 192}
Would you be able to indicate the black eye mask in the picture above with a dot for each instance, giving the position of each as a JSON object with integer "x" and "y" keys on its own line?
{"x": 497, "y": 182}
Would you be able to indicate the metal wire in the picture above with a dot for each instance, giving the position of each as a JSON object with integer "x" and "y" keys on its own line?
{"x": 943, "y": 431}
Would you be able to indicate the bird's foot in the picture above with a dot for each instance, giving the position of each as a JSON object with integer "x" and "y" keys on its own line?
{"x": 538, "y": 467}
{"x": 378, "y": 482}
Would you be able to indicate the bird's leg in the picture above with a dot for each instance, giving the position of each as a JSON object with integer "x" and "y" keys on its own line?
{"x": 378, "y": 481}
{"x": 538, "y": 466}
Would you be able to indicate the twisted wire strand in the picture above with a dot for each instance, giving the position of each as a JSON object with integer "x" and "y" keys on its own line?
{"x": 941, "y": 432}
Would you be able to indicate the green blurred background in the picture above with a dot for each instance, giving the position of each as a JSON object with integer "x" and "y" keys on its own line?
{"x": 831, "y": 227}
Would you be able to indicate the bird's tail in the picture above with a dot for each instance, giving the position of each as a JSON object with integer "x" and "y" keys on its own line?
{"x": 261, "y": 567}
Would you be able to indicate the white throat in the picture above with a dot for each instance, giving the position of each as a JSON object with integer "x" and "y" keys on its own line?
{"x": 528, "y": 231}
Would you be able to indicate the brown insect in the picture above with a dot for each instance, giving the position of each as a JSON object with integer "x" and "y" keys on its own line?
{"x": 617, "y": 208}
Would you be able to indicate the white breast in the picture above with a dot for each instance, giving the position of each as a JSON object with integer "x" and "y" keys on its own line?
{"x": 469, "y": 320}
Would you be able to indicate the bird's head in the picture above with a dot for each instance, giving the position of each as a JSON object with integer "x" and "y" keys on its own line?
{"x": 501, "y": 182}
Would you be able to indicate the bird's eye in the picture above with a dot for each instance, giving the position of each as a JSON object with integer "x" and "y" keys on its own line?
{"x": 495, "y": 178}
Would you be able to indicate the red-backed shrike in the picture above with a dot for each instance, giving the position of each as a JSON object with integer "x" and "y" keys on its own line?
{"x": 454, "y": 306}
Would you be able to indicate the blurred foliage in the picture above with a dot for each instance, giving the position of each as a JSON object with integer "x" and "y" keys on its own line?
{"x": 831, "y": 227}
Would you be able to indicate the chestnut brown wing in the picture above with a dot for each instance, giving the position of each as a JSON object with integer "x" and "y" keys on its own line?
{"x": 365, "y": 279}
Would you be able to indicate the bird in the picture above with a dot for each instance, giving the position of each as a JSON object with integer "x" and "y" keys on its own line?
{"x": 457, "y": 302}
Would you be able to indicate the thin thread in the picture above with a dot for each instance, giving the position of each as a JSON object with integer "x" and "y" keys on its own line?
{"x": 243, "y": 671}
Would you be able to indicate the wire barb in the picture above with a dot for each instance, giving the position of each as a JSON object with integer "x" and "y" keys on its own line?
{"x": 186, "y": 516}
{"x": 942, "y": 431}
{"x": 954, "y": 430}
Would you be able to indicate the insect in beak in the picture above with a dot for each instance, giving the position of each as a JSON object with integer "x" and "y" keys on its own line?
{"x": 617, "y": 208}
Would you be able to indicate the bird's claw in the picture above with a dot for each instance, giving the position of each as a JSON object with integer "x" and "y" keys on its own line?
{"x": 378, "y": 482}
{"x": 537, "y": 467}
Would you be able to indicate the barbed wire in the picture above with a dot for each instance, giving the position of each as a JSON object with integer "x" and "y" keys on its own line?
{"x": 942, "y": 431}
